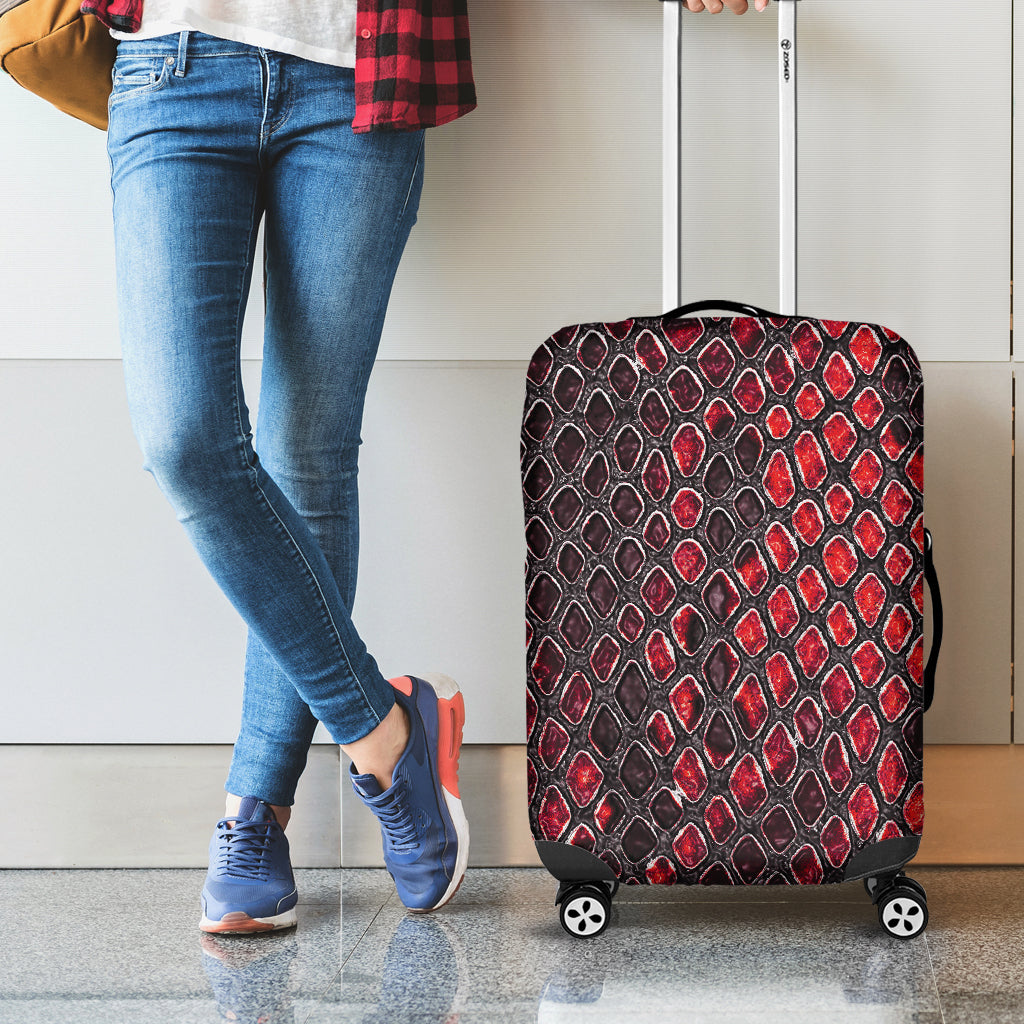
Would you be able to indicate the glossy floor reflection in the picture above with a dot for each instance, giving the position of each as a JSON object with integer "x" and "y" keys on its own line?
{"x": 99, "y": 946}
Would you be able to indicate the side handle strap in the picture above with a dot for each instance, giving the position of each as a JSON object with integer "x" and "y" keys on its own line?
{"x": 933, "y": 589}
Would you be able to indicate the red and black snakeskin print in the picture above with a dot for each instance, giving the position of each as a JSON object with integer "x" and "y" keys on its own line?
{"x": 724, "y": 595}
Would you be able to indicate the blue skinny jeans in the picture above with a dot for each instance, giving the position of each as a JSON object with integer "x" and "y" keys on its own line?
{"x": 205, "y": 136}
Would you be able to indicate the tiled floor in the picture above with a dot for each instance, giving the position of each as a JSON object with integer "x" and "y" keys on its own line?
{"x": 99, "y": 946}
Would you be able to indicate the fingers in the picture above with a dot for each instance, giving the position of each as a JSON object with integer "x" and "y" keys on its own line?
{"x": 717, "y": 6}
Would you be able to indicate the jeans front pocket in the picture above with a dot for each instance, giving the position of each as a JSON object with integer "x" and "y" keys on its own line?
{"x": 134, "y": 74}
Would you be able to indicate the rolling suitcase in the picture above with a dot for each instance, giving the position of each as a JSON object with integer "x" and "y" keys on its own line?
{"x": 724, "y": 597}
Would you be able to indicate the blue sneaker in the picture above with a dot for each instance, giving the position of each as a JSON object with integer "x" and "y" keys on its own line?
{"x": 424, "y": 828}
{"x": 249, "y": 885}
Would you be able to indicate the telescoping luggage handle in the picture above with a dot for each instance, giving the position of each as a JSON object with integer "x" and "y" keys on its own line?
{"x": 672, "y": 100}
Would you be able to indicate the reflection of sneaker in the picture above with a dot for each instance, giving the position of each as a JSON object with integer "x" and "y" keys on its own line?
{"x": 425, "y": 832}
{"x": 251, "y": 979}
{"x": 249, "y": 885}
{"x": 425, "y": 973}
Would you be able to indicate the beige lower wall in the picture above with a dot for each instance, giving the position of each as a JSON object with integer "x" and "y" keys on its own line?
{"x": 155, "y": 806}
{"x": 973, "y": 804}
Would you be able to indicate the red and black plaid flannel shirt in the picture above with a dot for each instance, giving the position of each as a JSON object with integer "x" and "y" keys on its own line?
{"x": 413, "y": 68}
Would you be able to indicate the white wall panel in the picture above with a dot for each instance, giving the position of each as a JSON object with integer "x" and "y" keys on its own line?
{"x": 57, "y": 260}
{"x": 111, "y": 630}
{"x": 543, "y": 206}
{"x": 903, "y": 167}
{"x": 441, "y": 583}
{"x": 968, "y": 508}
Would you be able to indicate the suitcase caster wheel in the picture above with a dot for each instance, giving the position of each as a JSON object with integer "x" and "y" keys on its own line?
{"x": 585, "y": 911}
{"x": 903, "y": 910}
{"x": 914, "y": 884}
{"x": 871, "y": 885}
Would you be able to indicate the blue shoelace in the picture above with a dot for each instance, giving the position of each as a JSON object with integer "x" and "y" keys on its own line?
{"x": 244, "y": 849}
{"x": 396, "y": 818}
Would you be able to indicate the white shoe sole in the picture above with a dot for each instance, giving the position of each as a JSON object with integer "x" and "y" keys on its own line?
{"x": 240, "y": 923}
{"x": 446, "y": 689}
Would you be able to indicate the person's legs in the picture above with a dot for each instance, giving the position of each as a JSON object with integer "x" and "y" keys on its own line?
{"x": 339, "y": 210}
{"x": 204, "y": 134}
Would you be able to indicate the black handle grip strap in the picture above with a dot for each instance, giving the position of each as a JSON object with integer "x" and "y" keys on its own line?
{"x": 933, "y": 589}
{"x": 736, "y": 307}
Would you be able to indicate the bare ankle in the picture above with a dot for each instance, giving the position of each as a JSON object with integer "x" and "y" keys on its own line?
{"x": 378, "y": 752}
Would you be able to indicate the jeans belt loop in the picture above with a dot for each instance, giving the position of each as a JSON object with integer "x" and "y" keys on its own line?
{"x": 179, "y": 69}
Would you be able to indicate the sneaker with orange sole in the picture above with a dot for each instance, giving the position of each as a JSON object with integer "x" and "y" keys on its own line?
{"x": 423, "y": 825}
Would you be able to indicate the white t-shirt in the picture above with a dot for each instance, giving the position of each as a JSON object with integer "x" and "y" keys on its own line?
{"x": 320, "y": 30}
